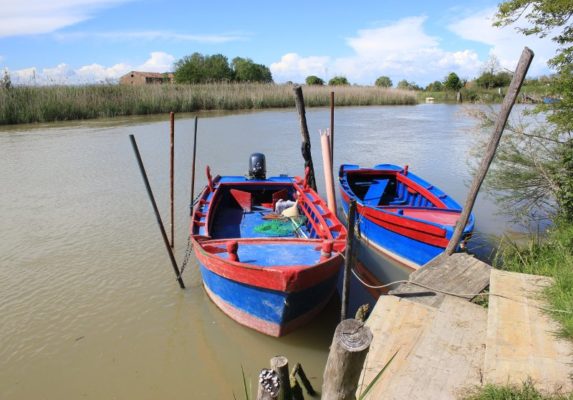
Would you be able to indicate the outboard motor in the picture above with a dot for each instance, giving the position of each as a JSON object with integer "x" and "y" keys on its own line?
{"x": 257, "y": 166}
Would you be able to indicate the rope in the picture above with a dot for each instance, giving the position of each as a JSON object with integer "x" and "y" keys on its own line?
{"x": 462, "y": 295}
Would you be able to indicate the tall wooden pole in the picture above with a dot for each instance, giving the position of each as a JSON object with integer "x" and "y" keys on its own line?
{"x": 351, "y": 218}
{"x": 156, "y": 211}
{"x": 193, "y": 166}
{"x": 305, "y": 147}
{"x": 171, "y": 176}
{"x": 506, "y": 106}
{"x": 348, "y": 351}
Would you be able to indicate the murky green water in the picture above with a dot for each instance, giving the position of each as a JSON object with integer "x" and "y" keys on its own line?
{"x": 89, "y": 307}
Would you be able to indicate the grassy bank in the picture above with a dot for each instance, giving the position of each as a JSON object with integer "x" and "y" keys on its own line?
{"x": 61, "y": 103}
{"x": 551, "y": 256}
{"x": 526, "y": 391}
{"x": 481, "y": 95}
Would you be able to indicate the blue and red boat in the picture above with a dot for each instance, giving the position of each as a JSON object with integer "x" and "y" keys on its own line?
{"x": 268, "y": 272}
{"x": 403, "y": 221}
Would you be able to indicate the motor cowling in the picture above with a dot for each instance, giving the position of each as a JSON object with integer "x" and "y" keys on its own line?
{"x": 257, "y": 166}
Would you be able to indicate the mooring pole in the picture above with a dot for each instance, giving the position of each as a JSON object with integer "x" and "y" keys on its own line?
{"x": 156, "y": 211}
{"x": 279, "y": 364}
{"x": 332, "y": 128}
{"x": 305, "y": 147}
{"x": 351, "y": 218}
{"x": 506, "y": 106}
{"x": 348, "y": 351}
{"x": 171, "y": 175}
{"x": 193, "y": 166}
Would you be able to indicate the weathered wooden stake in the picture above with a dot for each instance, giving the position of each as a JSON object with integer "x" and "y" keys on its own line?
{"x": 193, "y": 166}
{"x": 305, "y": 147}
{"x": 269, "y": 385}
{"x": 508, "y": 101}
{"x": 332, "y": 128}
{"x": 297, "y": 370}
{"x": 171, "y": 176}
{"x": 327, "y": 167}
{"x": 279, "y": 364}
{"x": 348, "y": 351}
{"x": 351, "y": 218}
{"x": 156, "y": 211}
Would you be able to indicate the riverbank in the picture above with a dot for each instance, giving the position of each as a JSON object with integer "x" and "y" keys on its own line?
{"x": 30, "y": 104}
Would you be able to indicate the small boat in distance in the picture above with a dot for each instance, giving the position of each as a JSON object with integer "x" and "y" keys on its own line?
{"x": 403, "y": 221}
{"x": 270, "y": 272}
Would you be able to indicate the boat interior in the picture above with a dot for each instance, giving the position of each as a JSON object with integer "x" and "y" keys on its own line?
{"x": 249, "y": 212}
{"x": 386, "y": 190}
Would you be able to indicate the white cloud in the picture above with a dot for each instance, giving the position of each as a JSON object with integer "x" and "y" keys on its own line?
{"x": 158, "y": 62}
{"x": 401, "y": 50}
{"x": 506, "y": 43}
{"x": 93, "y": 73}
{"x": 40, "y": 16}
{"x": 296, "y": 68}
{"x": 154, "y": 35}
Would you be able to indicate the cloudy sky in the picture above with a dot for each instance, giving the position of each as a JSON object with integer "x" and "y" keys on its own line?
{"x": 84, "y": 41}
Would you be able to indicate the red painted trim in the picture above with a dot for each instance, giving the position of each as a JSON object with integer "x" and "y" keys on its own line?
{"x": 290, "y": 278}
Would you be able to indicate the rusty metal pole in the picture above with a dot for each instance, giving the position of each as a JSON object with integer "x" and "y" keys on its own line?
{"x": 506, "y": 106}
{"x": 193, "y": 166}
{"x": 171, "y": 176}
{"x": 156, "y": 211}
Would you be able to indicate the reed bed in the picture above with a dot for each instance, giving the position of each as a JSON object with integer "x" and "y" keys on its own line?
{"x": 27, "y": 104}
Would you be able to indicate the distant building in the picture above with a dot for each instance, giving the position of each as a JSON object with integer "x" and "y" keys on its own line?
{"x": 146, "y": 78}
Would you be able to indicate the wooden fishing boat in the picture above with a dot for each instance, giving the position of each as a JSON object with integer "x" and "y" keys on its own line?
{"x": 403, "y": 221}
{"x": 268, "y": 273}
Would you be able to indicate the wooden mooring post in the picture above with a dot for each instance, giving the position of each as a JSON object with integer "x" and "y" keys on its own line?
{"x": 348, "y": 351}
{"x": 279, "y": 364}
{"x": 348, "y": 259}
{"x": 193, "y": 166}
{"x": 269, "y": 385}
{"x": 506, "y": 106}
{"x": 305, "y": 147}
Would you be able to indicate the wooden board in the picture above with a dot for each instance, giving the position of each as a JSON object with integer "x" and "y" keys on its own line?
{"x": 440, "y": 351}
{"x": 521, "y": 343}
{"x": 459, "y": 273}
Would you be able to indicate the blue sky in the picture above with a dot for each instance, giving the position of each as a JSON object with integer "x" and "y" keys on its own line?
{"x": 83, "y": 41}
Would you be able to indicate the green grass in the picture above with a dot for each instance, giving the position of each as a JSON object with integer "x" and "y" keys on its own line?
{"x": 480, "y": 95}
{"x": 526, "y": 391}
{"x": 26, "y": 104}
{"x": 551, "y": 256}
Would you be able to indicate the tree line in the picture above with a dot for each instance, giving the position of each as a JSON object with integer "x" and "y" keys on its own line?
{"x": 199, "y": 68}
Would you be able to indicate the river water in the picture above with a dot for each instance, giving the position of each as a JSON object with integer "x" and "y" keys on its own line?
{"x": 89, "y": 307}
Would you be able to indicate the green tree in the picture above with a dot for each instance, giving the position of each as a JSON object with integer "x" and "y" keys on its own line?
{"x": 384, "y": 81}
{"x": 453, "y": 82}
{"x": 198, "y": 68}
{"x": 313, "y": 80}
{"x": 435, "y": 86}
{"x": 190, "y": 69}
{"x": 405, "y": 85}
{"x": 217, "y": 69}
{"x": 245, "y": 70}
{"x": 338, "y": 81}
{"x": 6, "y": 81}
{"x": 535, "y": 165}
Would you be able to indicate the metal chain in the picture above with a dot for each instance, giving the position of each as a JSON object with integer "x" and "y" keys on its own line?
{"x": 188, "y": 252}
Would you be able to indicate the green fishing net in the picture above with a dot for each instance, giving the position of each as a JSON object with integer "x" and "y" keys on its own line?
{"x": 280, "y": 227}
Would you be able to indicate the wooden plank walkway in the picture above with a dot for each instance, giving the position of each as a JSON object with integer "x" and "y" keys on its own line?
{"x": 439, "y": 351}
{"x": 459, "y": 273}
{"x": 520, "y": 338}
